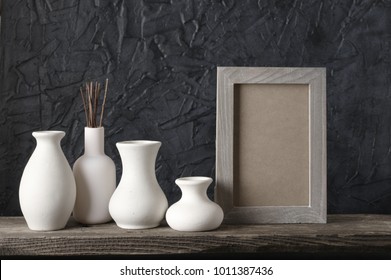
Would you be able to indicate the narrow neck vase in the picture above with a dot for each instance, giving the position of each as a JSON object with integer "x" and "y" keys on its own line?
{"x": 138, "y": 201}
{"x": 95, "y": 179}
{"x": 47, "y": 188}
{"x": 194, "y": 211}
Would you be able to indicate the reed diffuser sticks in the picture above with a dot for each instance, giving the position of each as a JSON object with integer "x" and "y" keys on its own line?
{"x": 90, "y": 96}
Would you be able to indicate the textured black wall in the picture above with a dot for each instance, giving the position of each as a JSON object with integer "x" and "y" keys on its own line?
{"x": 161, "y": 58}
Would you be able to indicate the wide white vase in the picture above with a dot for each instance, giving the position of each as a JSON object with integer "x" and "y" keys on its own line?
{"x": 138, "y": 202}
{"x": 95, "y": 180}
{"x": 47, "y": 188}
{"x": 194, "y": 211}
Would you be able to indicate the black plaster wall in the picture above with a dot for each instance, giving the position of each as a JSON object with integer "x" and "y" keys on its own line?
{"x": 161, "y": 58}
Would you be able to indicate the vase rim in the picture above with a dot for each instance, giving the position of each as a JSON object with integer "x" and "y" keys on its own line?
{"x": 94, "y": 128}
{"x": 194, "y": 179}
{"x": 130, "y": 143}
{"x": 48, "y": 133}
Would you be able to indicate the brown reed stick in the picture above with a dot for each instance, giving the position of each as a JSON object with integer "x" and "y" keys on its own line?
{"x": 90, "y": 97}
{"x": 104, "y": 102}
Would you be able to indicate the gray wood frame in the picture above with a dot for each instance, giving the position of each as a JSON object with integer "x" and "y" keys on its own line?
{"x": 316, "y": 210}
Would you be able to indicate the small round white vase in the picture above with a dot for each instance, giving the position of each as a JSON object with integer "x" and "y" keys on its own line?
{"x": 95, "y": 180}
{"x": 138, "y": 202}
{"x": 47, "y": 188}
{"x": 194, "y": 211}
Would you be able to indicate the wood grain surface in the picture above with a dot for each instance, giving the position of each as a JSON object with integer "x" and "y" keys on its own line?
{"x": 361, "y": 235}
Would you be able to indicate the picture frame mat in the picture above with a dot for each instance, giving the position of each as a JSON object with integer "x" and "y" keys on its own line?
{"x": 271, "y": 162}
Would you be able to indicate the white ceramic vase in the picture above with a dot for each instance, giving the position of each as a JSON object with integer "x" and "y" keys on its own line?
{"x": 194, "y": 211}
{"x": 138, "y": 202}
{"x": 47, "y": 188}
{"x": 95, "y": 180}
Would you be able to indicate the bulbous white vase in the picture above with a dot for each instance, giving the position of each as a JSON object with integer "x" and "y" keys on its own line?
{"x": 95, "y": 180}
{"x": 47, "y": 188}
{"x": 194, "y": 211}
{"x": 138, "y": 202}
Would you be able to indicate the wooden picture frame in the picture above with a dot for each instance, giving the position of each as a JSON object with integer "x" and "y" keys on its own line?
{"x": 271, "y": 145}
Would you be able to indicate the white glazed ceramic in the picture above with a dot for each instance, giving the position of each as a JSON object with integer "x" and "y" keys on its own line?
{"x": 47, "y": 189}
{"x": 194, "y": 211}
{"x": 95, "y": 180}
{"x": 138, "y": 202}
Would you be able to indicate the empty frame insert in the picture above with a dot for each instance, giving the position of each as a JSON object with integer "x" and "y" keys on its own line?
{"x": 271, "y": 145}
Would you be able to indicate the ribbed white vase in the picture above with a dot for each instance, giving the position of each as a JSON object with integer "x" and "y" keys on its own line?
{"x": 95, "y": 180}
{"x": 47, "y": 188}
{"x": 194, "y": 211}
{"x": 138, "y": 202}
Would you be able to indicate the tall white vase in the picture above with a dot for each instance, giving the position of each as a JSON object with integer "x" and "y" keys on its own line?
{"x": 194, "y": 211}
{"x": 138, "y": 202}
{"x": 47, "y": 189}
{"x": 95, "y": 180}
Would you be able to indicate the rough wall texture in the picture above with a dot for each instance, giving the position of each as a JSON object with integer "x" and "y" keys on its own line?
{"x": 161, "y": 58}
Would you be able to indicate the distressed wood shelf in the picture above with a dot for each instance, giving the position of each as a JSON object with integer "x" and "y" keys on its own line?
{"x": 360, "y": 235}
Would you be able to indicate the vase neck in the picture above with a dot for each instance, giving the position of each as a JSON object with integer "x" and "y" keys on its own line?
{"x": 193, "y": 187}
{"x": 94, "y": 140}
{"x": 192, "y": 192}
{"x": 48, "y": 138}
{"x": 138, "y": 158}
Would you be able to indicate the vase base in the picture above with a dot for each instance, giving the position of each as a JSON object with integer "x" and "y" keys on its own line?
{"x": 137, "y": 226}
{"x": 46, "y": 228}
{"x": 194, "y": 229}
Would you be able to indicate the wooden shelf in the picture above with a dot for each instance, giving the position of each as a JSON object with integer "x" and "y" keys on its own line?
{"x": 359, "y": 235}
